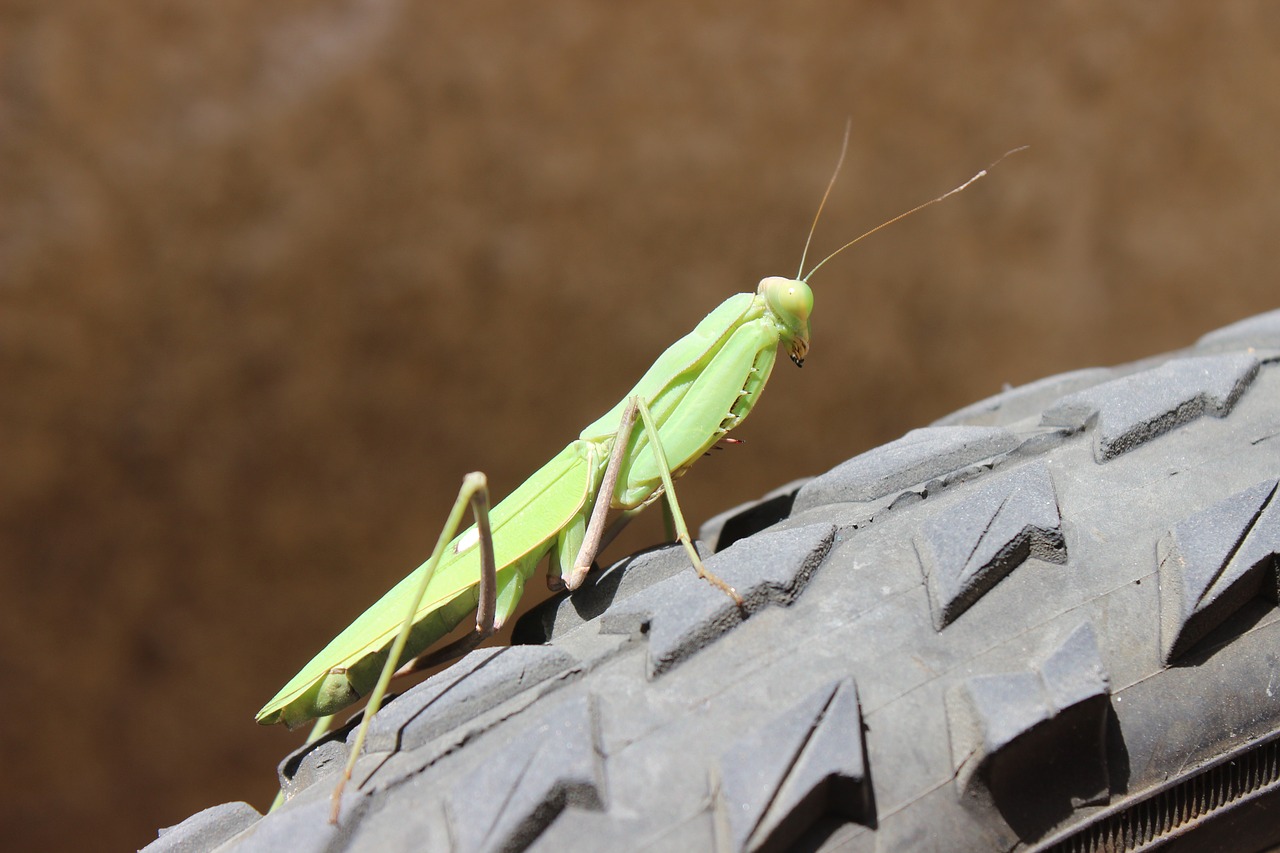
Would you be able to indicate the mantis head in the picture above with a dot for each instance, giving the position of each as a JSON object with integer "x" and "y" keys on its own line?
{"x": 791, "y": 302}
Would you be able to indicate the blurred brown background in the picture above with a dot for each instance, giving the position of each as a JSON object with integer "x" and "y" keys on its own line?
{"x": 273, "y": 276}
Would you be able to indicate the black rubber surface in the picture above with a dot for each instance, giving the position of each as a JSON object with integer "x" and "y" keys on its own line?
{"x": 1047, "y": 621}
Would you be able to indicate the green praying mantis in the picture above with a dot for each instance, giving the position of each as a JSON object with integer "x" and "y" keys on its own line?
{"x": 702, "y": 387}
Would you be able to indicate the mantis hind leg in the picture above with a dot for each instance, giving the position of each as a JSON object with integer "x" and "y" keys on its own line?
{"x": 474, "y": 491}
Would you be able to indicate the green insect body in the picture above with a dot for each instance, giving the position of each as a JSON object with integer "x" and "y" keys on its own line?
{"x": 698, "y": 390}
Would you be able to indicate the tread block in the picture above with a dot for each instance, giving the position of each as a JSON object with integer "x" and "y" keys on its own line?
{"x": 320, "y": 759}
{"x": 1214, "y": 562}
{"x": 1032, "y": 745}
{"x": 506, "y": 802}
{"x": 303, "y": 827}
{"x": 808, "y": 763}
{"x": 480, "y": 681}
{"x": 1262, "y": 330}
{"x": 1135, "y": 409}
{"x": 684, "y": 613}
{"x": 919, "y": 456}
{"x": 968, "y": 548}
{"x": 1027, "y": 400}
{"x": 205, "y": 829}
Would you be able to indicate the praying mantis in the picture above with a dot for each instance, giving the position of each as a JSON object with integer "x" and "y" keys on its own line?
{"x": 702, "y": 387}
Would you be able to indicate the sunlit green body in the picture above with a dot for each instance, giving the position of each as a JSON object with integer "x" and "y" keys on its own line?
{"x": 698, "y": 390}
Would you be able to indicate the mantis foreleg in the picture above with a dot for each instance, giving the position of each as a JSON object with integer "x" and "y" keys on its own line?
{"x": 475, "y": 491}
{"x": 591, "y": 542}
{"x": 682, "y": 529}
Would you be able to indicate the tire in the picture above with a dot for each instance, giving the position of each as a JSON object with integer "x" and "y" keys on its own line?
{"x": 1046, "y": 622}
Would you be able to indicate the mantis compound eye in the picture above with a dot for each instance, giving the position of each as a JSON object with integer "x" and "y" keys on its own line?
{"x": 788, "y": 298}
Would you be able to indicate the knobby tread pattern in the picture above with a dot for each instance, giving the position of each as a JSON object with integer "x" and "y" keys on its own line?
{"x": 1136, "y": 409}
{"x": 1214, "y": 562}
{"x": 809, "y": 759}
{"x": 483, "y": 680}
{"x": 1009, "y": 730}
{"x": 533, "y": 783}
{"x": 918, "y": 456}
{"x": 684, "y": 613}
{"x": 1036, "y": 624}
{"x": 206, "y": 829}
{"x": 969, "y": 547}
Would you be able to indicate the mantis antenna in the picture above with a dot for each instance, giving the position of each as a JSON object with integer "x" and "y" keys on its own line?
{"x": 919, "y": 207}
{"x": 844, "y": 147}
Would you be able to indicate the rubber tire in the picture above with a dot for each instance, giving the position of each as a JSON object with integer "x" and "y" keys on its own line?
{"x": 1047, "y": 621}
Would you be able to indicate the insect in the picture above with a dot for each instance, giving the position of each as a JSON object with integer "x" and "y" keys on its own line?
{"x": 698, "y": 390}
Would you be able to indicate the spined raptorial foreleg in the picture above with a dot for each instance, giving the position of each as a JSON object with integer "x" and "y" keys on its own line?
{"x": 604, "y": 497}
